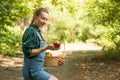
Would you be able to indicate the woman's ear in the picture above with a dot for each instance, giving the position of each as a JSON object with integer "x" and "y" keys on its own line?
{"x": 34, "y": 18}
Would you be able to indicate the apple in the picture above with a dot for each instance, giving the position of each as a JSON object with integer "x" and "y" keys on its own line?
{"x": 57, "y": 44}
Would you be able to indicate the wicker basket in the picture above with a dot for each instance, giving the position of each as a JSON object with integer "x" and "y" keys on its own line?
{"x": 51, "y": 61}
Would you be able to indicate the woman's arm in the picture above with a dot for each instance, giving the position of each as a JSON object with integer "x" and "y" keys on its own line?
{"x": 38, "y": 51}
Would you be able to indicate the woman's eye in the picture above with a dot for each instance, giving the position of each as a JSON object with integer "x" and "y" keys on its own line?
{"x": 43, "y": 18}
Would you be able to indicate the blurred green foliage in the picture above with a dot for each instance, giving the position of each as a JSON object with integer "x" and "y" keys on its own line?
{"x": 71, "y": 21}
{"x": 11, "y": 11}
{"x": 10, "y": 41}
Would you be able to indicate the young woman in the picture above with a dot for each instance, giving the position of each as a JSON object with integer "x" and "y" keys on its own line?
{"x": 34, "y": 47}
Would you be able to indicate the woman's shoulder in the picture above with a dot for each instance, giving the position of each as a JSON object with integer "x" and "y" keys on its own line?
{"x": 30, "y": 27}
{"x": 29, "y": 30}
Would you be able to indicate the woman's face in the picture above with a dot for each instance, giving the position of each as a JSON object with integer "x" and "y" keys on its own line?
{"x": 42, "y": 19}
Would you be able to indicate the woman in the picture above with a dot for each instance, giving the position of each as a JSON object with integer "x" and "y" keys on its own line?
{"x": 34, "y": 47}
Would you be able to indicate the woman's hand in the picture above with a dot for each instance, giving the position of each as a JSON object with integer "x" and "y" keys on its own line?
{"x": 61, "y": 61}
{"x": 51, "y": 47}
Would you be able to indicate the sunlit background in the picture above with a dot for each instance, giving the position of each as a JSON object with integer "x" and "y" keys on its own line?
{"x": 71, "y": 21}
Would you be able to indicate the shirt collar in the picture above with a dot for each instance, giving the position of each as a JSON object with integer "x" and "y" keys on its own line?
{"x": 35, "y": 27}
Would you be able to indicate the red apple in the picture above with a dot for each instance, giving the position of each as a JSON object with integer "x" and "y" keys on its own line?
{"x": 56, "y": 44}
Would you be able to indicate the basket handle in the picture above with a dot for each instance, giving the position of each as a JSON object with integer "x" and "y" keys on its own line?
{"x": 64, "y": 51}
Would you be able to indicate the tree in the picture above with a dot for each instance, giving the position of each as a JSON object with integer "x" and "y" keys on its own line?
{"x": 11, "y": 12}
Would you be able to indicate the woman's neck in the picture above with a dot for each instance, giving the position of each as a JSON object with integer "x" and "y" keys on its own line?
{"x": 36, "y": 24}
{"x": 40, "y": 28}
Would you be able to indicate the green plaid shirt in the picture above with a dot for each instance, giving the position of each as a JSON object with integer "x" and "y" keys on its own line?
{"x": 30, "y": 39}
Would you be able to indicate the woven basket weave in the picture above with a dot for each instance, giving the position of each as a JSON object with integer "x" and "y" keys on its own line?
{"x": 51, "y": 61}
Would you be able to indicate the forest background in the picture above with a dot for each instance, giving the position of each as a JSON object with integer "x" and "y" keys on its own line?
{"x": 71, "y": 21}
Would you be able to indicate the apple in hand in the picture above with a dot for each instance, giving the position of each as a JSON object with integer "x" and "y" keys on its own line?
{"x": 57, "y": 44}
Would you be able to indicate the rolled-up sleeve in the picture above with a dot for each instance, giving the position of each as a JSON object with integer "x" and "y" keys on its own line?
{"x": 28, "y": 42}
